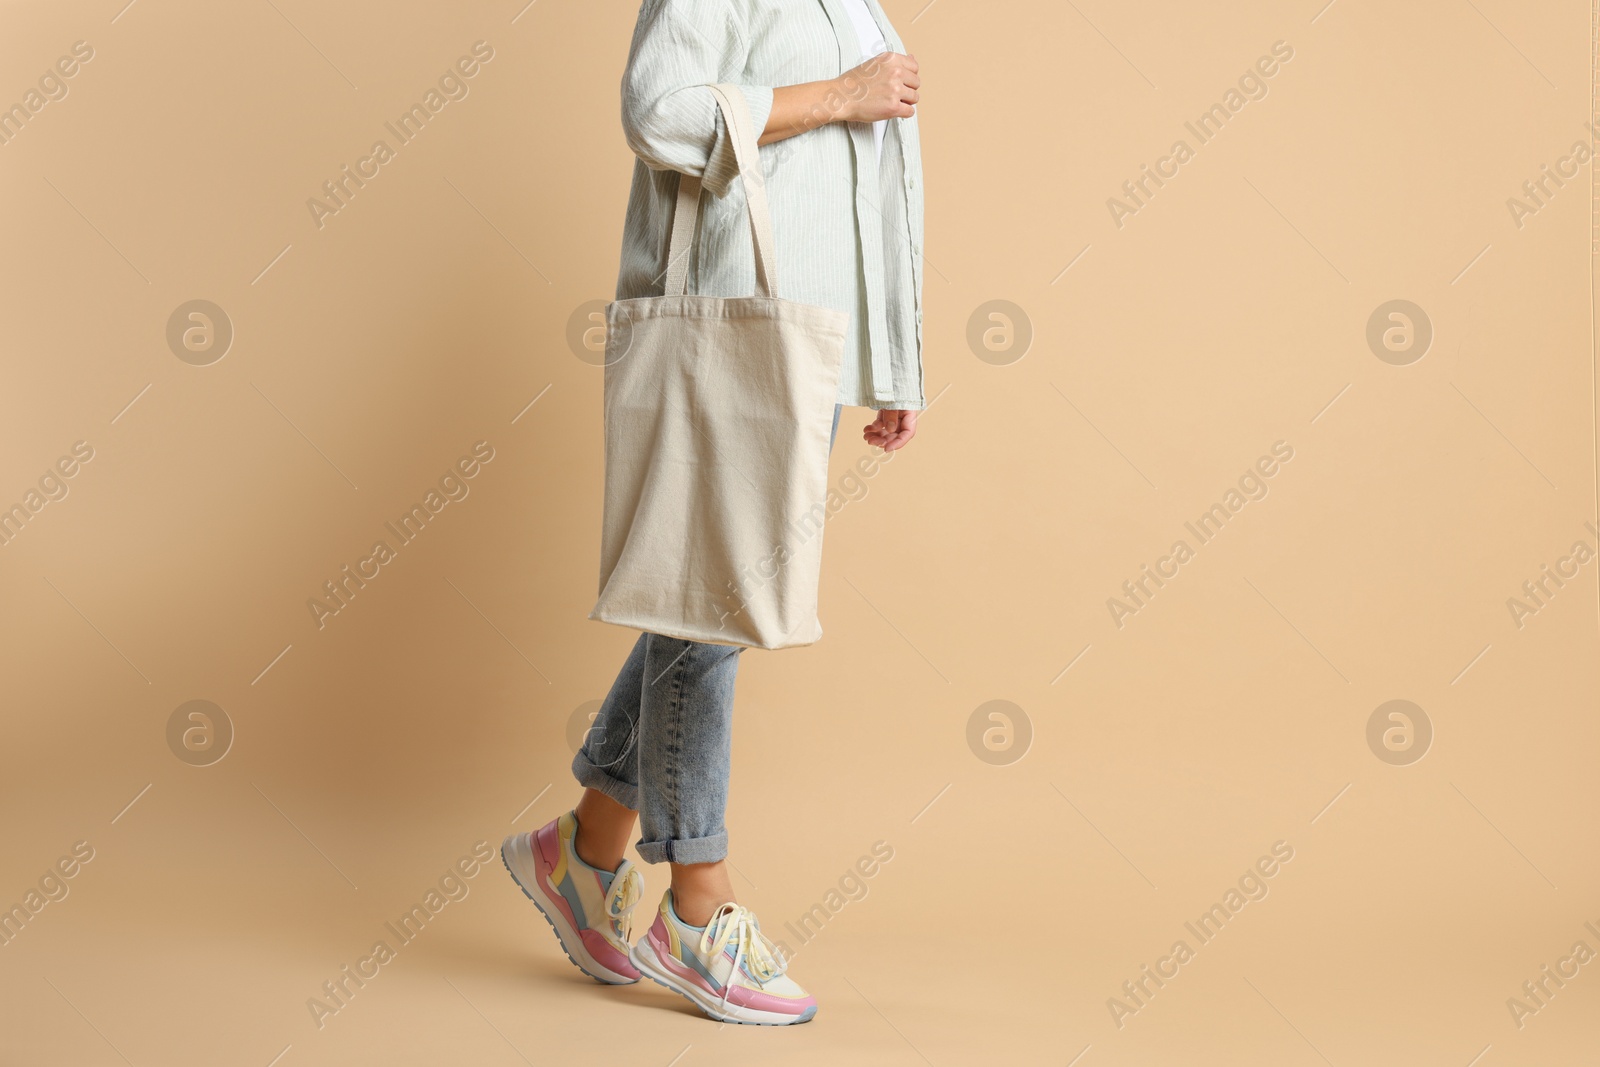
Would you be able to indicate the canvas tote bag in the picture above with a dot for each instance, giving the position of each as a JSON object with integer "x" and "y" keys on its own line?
{"x": 717, "y": 420}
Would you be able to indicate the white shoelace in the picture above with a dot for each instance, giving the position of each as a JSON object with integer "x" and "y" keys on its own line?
{"x": 627, "y": 887}
{"x": 734, "y": 922}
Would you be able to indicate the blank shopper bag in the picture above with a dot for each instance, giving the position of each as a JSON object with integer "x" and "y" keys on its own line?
{"x": 717, "y": 420}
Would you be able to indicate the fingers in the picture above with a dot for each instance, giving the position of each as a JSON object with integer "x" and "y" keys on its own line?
{"x": 905, "y": 430}
{"x": 910, "y": 83}
{"x": 891, "y": 430}
{"x": 893, "y": 80}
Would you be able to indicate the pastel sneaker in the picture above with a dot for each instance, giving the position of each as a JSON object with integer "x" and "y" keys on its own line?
{"x": 590, "y": 909}
{"x": 727, "y": 968}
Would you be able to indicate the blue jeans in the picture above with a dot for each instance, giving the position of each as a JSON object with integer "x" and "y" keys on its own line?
{"x": 662, "y": 743}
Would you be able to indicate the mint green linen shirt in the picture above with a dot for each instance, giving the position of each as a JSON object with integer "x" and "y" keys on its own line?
{"x": 847, "y": 226}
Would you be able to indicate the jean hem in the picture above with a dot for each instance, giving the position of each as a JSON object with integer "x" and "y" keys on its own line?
{"x": 689, "y": 850}
{"x": 592, "y": 777}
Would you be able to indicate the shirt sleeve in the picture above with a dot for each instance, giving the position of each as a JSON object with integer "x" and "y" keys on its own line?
{"x": 671, "y": 120}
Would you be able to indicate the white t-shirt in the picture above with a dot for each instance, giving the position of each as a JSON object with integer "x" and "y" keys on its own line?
{"x": 872, "y": 43}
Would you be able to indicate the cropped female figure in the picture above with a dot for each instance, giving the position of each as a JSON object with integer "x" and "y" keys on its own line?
{"x": 827, "y": 84}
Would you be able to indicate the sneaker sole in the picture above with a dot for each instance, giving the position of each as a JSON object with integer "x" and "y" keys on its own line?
{"x": 516, "y": 852}
{"x": 644, "y": 957}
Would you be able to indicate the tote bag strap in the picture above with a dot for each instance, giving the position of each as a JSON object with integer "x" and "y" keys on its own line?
{"x": 736, "y": 116}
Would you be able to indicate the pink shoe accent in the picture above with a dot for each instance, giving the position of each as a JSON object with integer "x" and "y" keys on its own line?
{"x": 677, "y": 967}
{"x": 547, "y": 847}
{"x": 752, "y": 998}
{"x": 605, "y": 954}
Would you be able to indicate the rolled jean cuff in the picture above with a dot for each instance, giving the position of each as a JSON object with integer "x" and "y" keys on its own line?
{"x": 693, "y": 850}
{"x": 592, "y": 777}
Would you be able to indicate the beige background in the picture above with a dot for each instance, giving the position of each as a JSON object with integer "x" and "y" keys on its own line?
{"x": 1167, "y": 355}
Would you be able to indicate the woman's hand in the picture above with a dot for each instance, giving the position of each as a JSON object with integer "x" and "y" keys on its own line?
{"x": 884, "y": 87}
{"x": 892, "y": 429}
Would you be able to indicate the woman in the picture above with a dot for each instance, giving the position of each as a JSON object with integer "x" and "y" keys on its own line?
{"x": 835, "y": 100}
